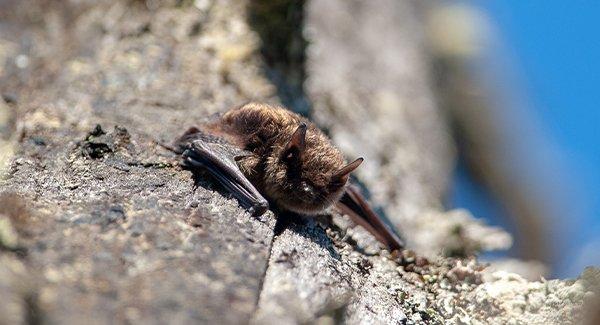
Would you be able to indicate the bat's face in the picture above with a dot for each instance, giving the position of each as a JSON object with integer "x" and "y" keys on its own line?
{"x": 307, "y": 175}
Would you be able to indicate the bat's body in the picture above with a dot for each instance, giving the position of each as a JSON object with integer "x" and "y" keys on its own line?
{"x": 263, "y": 153}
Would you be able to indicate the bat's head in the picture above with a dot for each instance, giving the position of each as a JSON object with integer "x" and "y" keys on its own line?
{"x": 306, "y": 174}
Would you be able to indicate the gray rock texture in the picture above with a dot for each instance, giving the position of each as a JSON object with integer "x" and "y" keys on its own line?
{"x": 116, "y": 230}
{"x": 100, "y": 224}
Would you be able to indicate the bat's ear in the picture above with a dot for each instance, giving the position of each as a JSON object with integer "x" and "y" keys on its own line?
{"x": 296, "y": 145}
{"x": 341, "y": 176}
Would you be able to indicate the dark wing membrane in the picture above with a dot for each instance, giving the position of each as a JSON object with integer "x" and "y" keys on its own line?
{"x": 356, "y": 207}
{"x": 192, "y": 134}
{"x": 201, "y": 150}
{"x": 185, "y": 139}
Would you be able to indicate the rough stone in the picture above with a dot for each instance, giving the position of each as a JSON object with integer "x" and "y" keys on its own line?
{"x": 110, "y": 229}
{"x": 109, "y": 236}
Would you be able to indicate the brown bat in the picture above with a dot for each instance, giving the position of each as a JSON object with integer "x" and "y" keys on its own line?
{"x": 266, "y": 154}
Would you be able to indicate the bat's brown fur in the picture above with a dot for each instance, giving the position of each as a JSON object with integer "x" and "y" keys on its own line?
{"x": 265, "y": 131}
{"x": 285, "y": 159}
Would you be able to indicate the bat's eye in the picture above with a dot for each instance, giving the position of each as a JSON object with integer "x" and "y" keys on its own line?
{"x": 306, "y": 188}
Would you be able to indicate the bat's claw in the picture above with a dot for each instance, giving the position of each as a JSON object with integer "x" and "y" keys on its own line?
{"x": 259, "y": 209}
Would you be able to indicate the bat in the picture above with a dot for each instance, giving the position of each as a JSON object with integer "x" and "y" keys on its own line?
{"x": 267, "y": 155}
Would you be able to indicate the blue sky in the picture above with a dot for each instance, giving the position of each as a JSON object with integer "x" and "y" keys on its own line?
{"x": 548, "y": 64}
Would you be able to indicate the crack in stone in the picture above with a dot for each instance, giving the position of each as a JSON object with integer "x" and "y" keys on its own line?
{"x": 276, "y": 232}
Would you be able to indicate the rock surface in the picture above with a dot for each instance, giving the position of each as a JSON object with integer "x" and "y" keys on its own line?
{"x": 99, "y": 224}
{"x": 117, "y": 231}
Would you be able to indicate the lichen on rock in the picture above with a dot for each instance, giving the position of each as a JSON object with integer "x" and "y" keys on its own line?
{"x": 113, "y": 229}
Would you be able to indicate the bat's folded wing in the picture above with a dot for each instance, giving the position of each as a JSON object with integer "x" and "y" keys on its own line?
{"x": 356, "y": 207}
{"x": 200, "y": 150}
